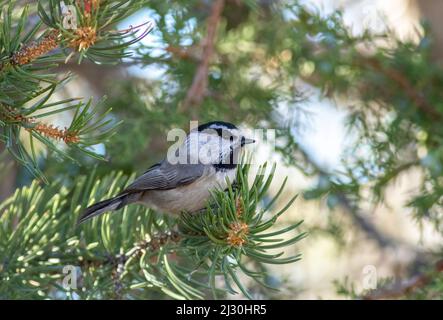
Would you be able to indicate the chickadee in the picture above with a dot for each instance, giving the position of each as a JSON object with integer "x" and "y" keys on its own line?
{"x": 184, "y": 180}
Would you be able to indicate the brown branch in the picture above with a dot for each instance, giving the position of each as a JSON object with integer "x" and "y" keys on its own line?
{"x": 362, "y": 60}
{"x": 363, "y": 223}
{"x": 8, "y": 174}
{"x": 119, "y": 261}
{"x": 199, "y": 85}
{"x": 155, "y": 243}
{"x": 400, "y": 289}
{"x": 409, "y": 90}
{"x": 185, "y": 54}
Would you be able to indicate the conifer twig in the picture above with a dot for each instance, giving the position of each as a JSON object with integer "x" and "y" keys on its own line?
{"x": 402, "y": 288}
{"x": 410, "y": 91}
{"x": 36, "y": 49}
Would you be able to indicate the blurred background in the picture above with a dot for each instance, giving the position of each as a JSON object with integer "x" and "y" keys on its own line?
{"x": 345, "y": 83}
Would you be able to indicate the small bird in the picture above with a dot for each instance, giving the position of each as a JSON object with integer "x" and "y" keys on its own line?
{"x": 184, "y": 181}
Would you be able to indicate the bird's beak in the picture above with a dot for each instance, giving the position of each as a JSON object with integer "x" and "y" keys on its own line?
{"x": 246, "y": 141}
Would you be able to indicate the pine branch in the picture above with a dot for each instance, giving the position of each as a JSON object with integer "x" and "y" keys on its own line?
{"x": 141, "y": 251}
{"x": 409, "y": 90}
{"x": 28, "y": 51}
{"x": 406, "y": 287}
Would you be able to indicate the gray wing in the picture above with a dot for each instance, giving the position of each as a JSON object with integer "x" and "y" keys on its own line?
{"x": 166, "y": 176}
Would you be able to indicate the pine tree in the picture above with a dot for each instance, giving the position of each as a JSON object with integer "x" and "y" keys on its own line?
{"x": 240, "y": 61}
{"x": 134, "y": 254}
{"x": 30, "y": 50}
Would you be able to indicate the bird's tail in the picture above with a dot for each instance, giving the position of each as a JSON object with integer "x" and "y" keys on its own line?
{"x": 103, "y": 206}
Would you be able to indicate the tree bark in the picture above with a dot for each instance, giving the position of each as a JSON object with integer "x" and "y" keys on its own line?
{"x": 431, "y": 11}
{"x": 8, "y": 175}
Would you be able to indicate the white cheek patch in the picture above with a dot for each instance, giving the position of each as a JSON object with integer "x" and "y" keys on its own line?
{"x": 209, "y": 152}
{"x": 207, "y": 147}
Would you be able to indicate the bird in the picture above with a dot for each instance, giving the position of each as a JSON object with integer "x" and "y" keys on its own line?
{"x": 206, "y": 160}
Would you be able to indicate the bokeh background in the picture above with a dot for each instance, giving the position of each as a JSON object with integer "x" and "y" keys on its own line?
{"x": 263, "y": 76}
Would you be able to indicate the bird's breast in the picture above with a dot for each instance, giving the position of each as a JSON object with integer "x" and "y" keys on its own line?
{"x": 191, "y": 197}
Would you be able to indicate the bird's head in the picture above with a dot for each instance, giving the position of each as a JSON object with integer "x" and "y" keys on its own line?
{"x": 218, "y": 143}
